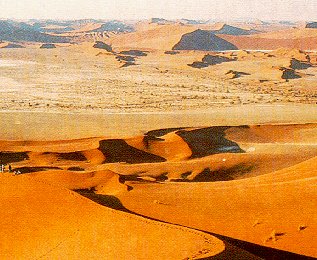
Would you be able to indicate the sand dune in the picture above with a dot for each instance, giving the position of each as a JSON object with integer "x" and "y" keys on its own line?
{"x": 167, "y": 174}
{"x": 285, "y": 39}
{"x": 219, "y": 37}
{"x": 267, "y": 201}
{"x": 169, "y": 146}
{"x": 59, "y": 223}
{"x": 161, "y": 37}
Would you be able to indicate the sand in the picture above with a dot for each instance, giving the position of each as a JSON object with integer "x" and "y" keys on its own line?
{"x": 49, "y": 223}
{"x": 41, "y": 126}
{"x": 238, "y": 182}
{"x": 82, "y": 79}
{"x": 162, "y": 159}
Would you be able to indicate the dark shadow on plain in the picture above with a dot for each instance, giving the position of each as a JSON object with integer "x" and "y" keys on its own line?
{"x": 136, "y": 53}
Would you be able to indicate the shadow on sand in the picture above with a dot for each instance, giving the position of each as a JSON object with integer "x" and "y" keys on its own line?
{"x": 235, "y": 249}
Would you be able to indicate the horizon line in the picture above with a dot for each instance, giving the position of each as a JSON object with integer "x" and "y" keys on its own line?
{"x": 242, "y": 19}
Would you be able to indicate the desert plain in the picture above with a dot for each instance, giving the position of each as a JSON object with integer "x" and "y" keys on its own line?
{"x": 158, "y": 140}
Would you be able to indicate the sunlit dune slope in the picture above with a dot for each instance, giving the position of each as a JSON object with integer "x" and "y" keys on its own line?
{"x": 304, "y": 39}
{"x": 276, "y": 210}
{"x": 42, "y": 221}
{"x": 161, "y": 37}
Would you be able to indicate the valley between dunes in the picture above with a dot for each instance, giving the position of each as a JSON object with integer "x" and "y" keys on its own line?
{"x": 111, "y": 198}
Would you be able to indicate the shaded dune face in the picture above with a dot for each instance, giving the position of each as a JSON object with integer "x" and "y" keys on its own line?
{"x": 203, "y": 40}
{"x": 23, "y": 170}
{"x": 231, "y": 30}
{"x": 11, "y": 157}
{"x": 117, "y": 150}
{"x": 75, "y": 156}
{"x": 223, "y": 174}
{"x": 161, "y": 132}
{"x": 208, "y": 141}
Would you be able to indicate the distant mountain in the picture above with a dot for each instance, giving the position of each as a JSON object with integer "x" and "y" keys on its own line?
{"x": 203, "y": 40}
{"x": 249, "y": 21}
{"x": 58, "y": 27}
{"x": 57, "y": 30}
{"x": 289, "y": 23}
{"x": 311, "y": 25}
{"x": 160, "y": 21}
{"x": 114, "y": 26}
{"x": 188, "y": 21}
{"x": 231, "y": 30}
{"x": 17, "y": 32}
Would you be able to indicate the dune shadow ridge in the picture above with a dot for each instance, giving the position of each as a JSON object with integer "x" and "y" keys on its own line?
{"x": 235, "y": 249}
{"x": 208, "y": 141}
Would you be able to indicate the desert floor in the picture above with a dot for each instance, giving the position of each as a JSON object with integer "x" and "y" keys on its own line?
{"x": 80, "y": 78}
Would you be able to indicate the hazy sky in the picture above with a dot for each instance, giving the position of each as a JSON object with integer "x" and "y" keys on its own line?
{"x": 134, "y": 9}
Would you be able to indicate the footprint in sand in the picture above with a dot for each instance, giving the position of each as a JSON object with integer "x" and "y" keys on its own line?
{"x": 301, "y": 227}
{"x": 274, "y": 236}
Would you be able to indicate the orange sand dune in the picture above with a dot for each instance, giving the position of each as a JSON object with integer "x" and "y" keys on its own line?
{"x": 43, "y": 221}
{"x": 259, "y": 159}
{"x": 262, "y": 43}
{"x": 274, "y": 212}
{"x": 170, "y": 146}
{"x": 51, "y": 146}
{"x": 301, "y": 134}
{"x": 78, "y": 180}
{"x": 161, "y": 37}
{"x": 165, "y": 37}
{"x": 238, "y": 181}
{"x": 184, "y": 154}
{"x": 294, "y": 33}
